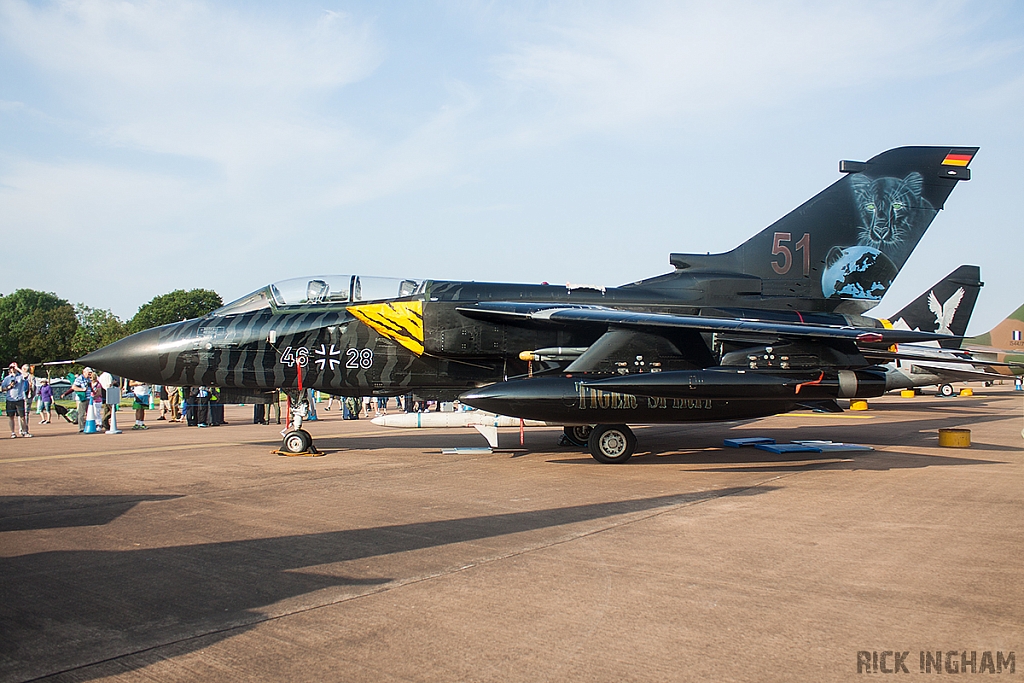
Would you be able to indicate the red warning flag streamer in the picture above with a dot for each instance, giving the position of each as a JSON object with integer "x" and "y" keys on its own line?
{"x": 806, "y": 384}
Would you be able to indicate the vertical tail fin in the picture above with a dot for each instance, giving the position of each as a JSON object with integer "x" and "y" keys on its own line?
{"x": 844, "y": 246}
{"x": 946, "y": 307}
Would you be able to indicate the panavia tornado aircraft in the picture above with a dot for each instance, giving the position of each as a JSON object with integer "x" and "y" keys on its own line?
{"x": 775, "y": 324}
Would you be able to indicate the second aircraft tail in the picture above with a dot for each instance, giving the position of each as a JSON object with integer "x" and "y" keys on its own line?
{"x": 945, "y": 308}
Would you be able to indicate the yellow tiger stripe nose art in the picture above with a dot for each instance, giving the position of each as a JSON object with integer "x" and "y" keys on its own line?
{"x": 400, "y": 321}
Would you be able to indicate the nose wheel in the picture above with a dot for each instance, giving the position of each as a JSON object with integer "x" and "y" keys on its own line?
{"x": 298, "y": 442}
{"x": 612, "y": 444}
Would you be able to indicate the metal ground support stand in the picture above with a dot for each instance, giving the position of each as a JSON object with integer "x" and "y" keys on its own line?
{"x": 112, "y": 399}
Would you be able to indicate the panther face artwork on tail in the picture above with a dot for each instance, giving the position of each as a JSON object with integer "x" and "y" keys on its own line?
{"x": 891, "y": 212}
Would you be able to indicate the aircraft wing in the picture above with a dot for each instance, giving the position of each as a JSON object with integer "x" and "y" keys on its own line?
{"x": 991, "y": 351}
{"x": 924, "y": 360}
{"x": 959, "y": 374}
{"x": 511, "y": 312}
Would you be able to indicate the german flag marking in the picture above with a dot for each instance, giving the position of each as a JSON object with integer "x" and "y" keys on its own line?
{"x": 399, "y": 321}
{"x": 955, "y": 158}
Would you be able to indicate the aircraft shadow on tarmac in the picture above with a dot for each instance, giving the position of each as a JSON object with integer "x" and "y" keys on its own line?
{"x": 733, "y": 460}
{"x": 854, "y": 461}
{"x": 63, "y": 611}
{"x": 23, "y": 513}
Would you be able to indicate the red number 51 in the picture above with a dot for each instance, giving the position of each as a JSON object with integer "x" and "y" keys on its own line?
{"x": 778, "y": 248}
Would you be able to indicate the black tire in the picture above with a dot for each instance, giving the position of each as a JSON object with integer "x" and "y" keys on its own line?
{"x": 946, "y": 390}
{"x": 577, "y": 435}
{"x": 296, "y": 441}
{"x": 611, "y": 444}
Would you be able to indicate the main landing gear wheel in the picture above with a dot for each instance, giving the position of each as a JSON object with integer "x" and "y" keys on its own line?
{"x": 577, "y": 435}
{"x": 946, "y": 390}
{"x": 612, "y": 444}
{"x": 297, "y": 441}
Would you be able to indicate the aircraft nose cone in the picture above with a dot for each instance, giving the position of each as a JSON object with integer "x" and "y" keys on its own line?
{"x": 134, "y": 357}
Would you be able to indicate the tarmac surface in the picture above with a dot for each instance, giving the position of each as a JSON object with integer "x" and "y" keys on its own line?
{"x": 186, "y": 554}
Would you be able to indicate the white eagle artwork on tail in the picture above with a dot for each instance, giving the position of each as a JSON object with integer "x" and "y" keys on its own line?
{"x": 944, "y": 312}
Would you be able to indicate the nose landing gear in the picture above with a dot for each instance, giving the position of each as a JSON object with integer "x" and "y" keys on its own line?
{"x": 296, "y": 440}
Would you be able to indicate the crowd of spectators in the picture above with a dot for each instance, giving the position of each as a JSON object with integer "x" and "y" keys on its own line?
{"x": 193, "y": 406}
{"x": 197, "y": 406}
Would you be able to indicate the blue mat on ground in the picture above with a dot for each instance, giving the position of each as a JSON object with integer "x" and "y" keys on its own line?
{"x": 786, "y": 448}
{"x": 842, "y": 447}
{"x": 766, "y": 443}
{"x": 748, "y": 441}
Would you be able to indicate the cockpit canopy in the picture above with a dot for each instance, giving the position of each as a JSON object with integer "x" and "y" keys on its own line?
{"x": 325, "y": 290}
{"x": 340, "y": 289}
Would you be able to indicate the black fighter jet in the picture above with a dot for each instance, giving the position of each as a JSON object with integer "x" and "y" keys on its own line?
{"x": 775, "y": 324}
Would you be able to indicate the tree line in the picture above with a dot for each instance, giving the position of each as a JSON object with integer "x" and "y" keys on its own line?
{"x": 40, "y": 327}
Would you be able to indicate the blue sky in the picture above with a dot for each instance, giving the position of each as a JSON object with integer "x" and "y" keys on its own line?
{"x": 226, "y": 145}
